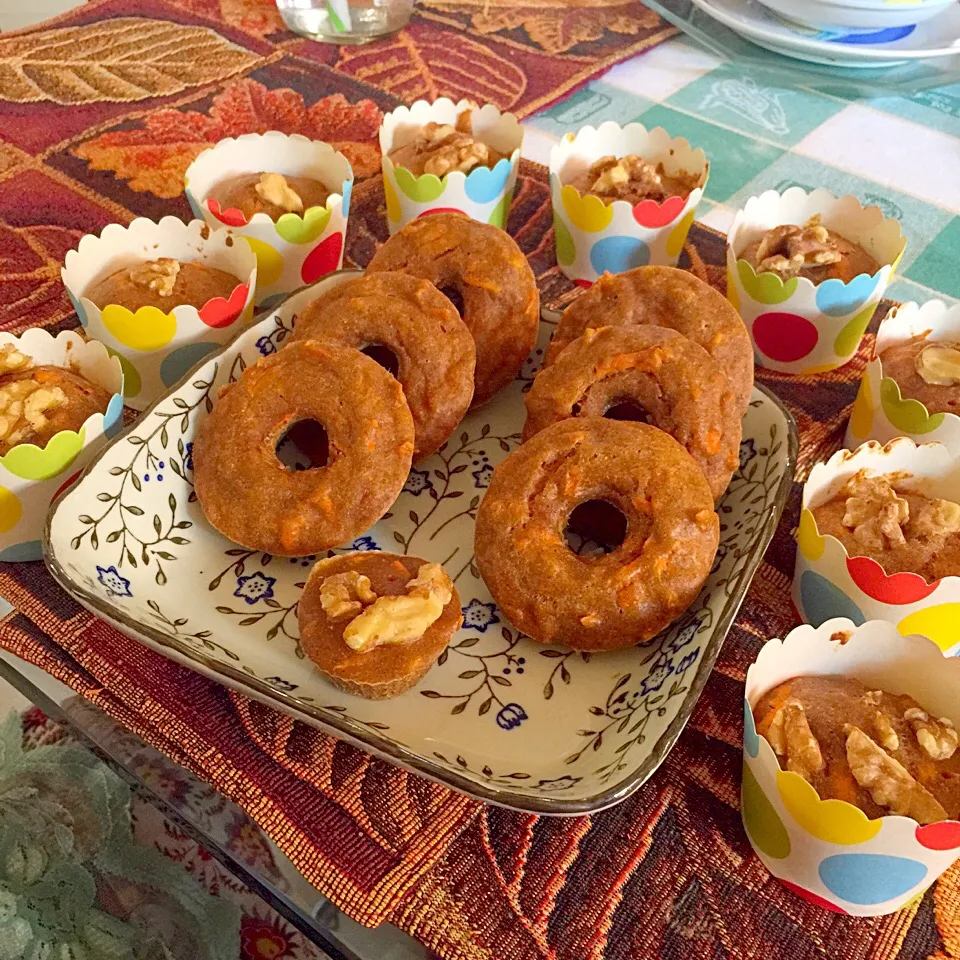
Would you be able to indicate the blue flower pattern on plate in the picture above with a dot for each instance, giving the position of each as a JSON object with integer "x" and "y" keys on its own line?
{"x": 279, "y": 683}
{"x": 748, "y": 451}
{"x": 266, "y": 346}
{"x": 510, "y": 716}
{"x": 478, "y": 615}
{"x": 116, "y": 585}
{"x": 417, "y": 482}
{"x": 657, "y": 676}
{"x": 836, "y": 298}
{"x": 481, "y": 477}
{"x": 254, "y": 587}
{"x": 188, "y": 456}
{"x": 364, "y": 543}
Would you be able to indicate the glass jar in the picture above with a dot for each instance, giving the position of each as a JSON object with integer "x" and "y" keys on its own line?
{"x": 345, "y": 21}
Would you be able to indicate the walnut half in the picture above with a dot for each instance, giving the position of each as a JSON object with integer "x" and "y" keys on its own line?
{"x": 875, "y": 512}
{"x": 24, "y": 405}
{"x": 11, "y": 359}
{"x": 791, "y": 737}
{"x": 937, "y": 738}
{"x": 888, "y": 781}
{"x": 788, "y": 249}
{"x": 345, "y": 594}
{"x": 273, "y": 188}
{"x": 158, "y": 275}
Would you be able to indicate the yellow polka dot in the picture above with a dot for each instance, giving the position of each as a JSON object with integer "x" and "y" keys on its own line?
{"x": 861, "y": 417}
{"x": 147, "y": 329}
{"x": 393, "y": 202}
{"x": 269, "y": 262}
{"x": 589, "y": 214}
{"x": 10, "y": 510}
{"x": 678, "y": 235}
{"x": 808, "y": 538}
{"x": 832, "y": 821}
{"x": 938, "y": 623}
{"x": 819, "y": 368}
{"x": 732, "y": 294}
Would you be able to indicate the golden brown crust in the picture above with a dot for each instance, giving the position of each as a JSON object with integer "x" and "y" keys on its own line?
{"x": 240, "y": 193}
{"x": 835, "y": 707}
{"x": 677, "y": 385}
{"x": 488, "y": 271}
{"x": 82, "y": 399}
{"x": 434, "y": 351}
{"x": 664, "y": 297}
{"x": 254, "y": 500}
{"x": 196, "y": 284}
{"x": 385, "y": 671}
{"x": 596, "y": 602}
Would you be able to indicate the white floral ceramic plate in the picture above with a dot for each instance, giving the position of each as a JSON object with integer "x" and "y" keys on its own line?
{"x": 500, "y": 717}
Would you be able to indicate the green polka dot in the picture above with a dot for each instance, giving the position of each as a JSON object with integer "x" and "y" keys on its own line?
{"x": 423, "y": 189}
{"x": 33, "y": 463}
{"x": 909, "y": 416}
{"x": 766, "y": 288}
{"x": 131, "y": 378}
{"x": 848, "y": 339}
{"x": 566, "y": 251}
{"x": 499, "y": 216}
{"x": 761, "y": 821}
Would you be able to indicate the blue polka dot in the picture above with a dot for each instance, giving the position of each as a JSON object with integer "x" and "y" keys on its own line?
{"x": 81, "y": 313}
{"x": 888, "y": 35}
{"x": 618, "y": 254}
{"x": 751, "y": 742}
{"x": 194, "y": 206}
{"x": 113, "y": 416}
{"x": 484, "y": 185}
{"x": 870, "y": 878}
{"x": 822, "y": 600}
{"x": 836, "y": 298}
{"x": 176, "y": 364}
{"x": 347, "y": 191}
{"x": 20, "y": 552}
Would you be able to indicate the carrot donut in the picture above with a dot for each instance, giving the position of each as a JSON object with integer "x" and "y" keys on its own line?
{"x": 409, "y": 327}
{"x": 651, "y": 374}
{"x": 374, "y": 623}
{"x": 481, "y": 268}
{"x": 596, "y": 602}
{"x": 664, "y": 297}
{"x": 252, "y": 498}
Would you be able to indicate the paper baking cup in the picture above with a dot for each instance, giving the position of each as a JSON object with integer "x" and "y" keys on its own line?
{"x": 880, "y": 412}
{"x": 156, "y": 349}
{"x": 483, "y": 194}
{"x": 299, "y": 248}
{"x": 798, "y": 326}
{"x": 594, "y": 237}
{"x": 830, "y": 583}
{"x": 32, "y": 476}
{"x": 828, "y": 851}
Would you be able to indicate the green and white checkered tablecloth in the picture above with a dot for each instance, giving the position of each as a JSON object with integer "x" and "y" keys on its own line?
{"x": 901, "y": 153}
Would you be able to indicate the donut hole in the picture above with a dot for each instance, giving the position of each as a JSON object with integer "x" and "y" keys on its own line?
{"x": 626, "y": 409}
{"x": 304, "y": 445}
{"x": 454, "y": 295}
{"x": 595, "y": 527}
{"x": 384, "y": 356}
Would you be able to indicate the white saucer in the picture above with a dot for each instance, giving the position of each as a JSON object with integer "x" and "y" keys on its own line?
{"x": 937, "y": 37}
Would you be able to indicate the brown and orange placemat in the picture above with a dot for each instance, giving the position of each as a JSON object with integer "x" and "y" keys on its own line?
{"x": 666, "y": 874}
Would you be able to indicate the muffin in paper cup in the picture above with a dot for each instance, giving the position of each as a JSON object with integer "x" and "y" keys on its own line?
{"x": 483, "y": 194}
{"x": 594, "y": 236}
{"x": 828, "y": 851}
{"x": 156, "y": 349}
{"x": 31, "y": 477}
{"x": 880, "y": 411}
{"x": 828, "y": 582}
{"x": 798, "y": 326}
{"x": 299, "y": 248}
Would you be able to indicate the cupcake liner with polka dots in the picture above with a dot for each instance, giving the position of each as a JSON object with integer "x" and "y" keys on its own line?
{"x": 798, "y": 326}
{"x": 298, "y": 248}
{"x": 827, "y": 851}
{"x": 880, "y": 412}
{"x": 484, "y": 193}
{"x": 155, "y": 348}
{"x": 828, "y": 582}
{"x": 31, "y": 477}
{"x": 594, "y": 237}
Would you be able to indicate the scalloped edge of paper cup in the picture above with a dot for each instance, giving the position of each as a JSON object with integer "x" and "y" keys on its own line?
{"x": 594, "y": 236}
{"x": 797, "y": 326}
{"x": 31, "y": 477}
{"x": 297, "y": 249}
{"x": 828, "y": 582}
{"x": 156, "y": 348}
{"x": 880, "y": 412}
{"x": 828, "y": 851}
{"x": 483, "y": 194}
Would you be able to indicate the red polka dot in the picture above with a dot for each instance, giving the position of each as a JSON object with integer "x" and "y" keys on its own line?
{"x": 899, "y": 588}
{"x": 231, "y": 216}
{"x": 219, "y": 312}
{"x": 649, "y": 213}
{"x": 812, "y": 897}
{"x": 940, "y": 836}
{"x": 586, "y": 284}
{"x": 322, "y": 259}
{"x": 430, "y": 213}
{"x": 784, "y": 337}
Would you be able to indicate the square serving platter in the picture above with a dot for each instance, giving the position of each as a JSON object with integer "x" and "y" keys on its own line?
{"x": 499, "y": 717}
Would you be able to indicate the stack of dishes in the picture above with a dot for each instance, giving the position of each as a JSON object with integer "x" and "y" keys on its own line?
{"x": 845, "y": 33}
